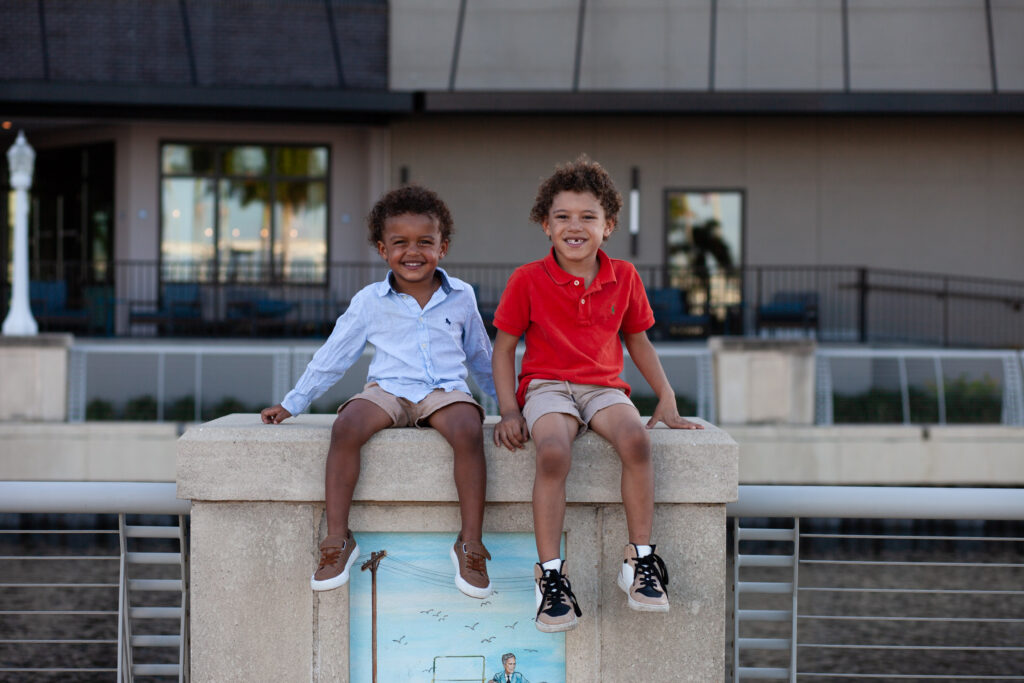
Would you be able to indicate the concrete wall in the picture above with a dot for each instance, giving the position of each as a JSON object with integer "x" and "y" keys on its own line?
{"x": 884, "y": 455}
{"x": 884, "y": 193}
{"x": 257, "y": 492}
{"x": 915, "y": 455}
{"x": 90, "y": 451}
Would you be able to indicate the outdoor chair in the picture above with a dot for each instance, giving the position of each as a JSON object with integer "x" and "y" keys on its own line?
{"x": 672, "y": 317}
{"x": 49, "y": 301}
{"x": 796, "y": 309}
{"x": 180, "y": 308}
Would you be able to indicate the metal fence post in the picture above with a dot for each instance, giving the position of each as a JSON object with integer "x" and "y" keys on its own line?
{"x": 862, "y": 305}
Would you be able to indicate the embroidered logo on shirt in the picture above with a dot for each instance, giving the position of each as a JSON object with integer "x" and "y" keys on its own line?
{"x": 448, "y": 322}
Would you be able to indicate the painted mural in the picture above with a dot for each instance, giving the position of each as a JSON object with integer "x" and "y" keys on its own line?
{"x": 428, "y": 631}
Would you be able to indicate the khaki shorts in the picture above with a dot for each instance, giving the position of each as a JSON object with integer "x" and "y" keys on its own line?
{"x": 581, "y": 401}
{"x": 405, "y": 413}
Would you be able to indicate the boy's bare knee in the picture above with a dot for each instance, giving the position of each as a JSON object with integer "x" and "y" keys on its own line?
{"x": 347, "y": 432}
{"x": 552, "y": 461}
{"x": 634, "y": 445}
{"x": 467, "y": 438}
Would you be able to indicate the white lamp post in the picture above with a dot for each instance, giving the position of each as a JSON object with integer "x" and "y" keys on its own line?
{"x": 20, "y": 160}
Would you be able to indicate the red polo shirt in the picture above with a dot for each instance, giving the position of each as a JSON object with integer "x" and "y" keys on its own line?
{"x": 572, "y": 333}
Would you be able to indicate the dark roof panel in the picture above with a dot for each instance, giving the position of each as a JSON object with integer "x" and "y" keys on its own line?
{"x": 256, "y": 42}
{"x": 362, "y": 29}
{"x": 137, "y": 41}
{"x": 21, "y": 48}
{"x": 318, "y": 44}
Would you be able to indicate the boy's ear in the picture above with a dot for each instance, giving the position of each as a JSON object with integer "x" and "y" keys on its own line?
{"x": 544, "y": 227}
{"x": 382, "y": 250}
{"x": 609, "y": 227}
{"x": 444, "y": 248}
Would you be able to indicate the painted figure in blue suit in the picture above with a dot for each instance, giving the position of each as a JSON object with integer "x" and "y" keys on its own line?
{"x": 509, "y": 675}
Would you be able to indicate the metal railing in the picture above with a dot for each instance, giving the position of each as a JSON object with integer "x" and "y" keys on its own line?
{"x": 76, "y": 603}
{"x": 839, "y": 303}
{"x": 822, "y": 592}
{"x": 170, "y": 372}
{"x": 936, "y": 386}
{"x": 269, "y": 366}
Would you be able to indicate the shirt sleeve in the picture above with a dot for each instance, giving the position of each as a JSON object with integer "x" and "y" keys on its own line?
{"x": 332, "y": 360}
{"x": 639, "y": 315}
{"x": 513, "y": 312}
{"x": 477, "y": 347}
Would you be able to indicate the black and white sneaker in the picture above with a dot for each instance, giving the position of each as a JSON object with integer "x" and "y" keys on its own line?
{"x": 644, "y": 580}
{"x": 556, "y": 605}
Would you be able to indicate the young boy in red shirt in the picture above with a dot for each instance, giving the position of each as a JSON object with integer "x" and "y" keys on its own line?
{"x": 572, "y": 306}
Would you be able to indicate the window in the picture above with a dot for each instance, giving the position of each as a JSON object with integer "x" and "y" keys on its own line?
{"x": 243, "y": 213}
{"x": 704, "y": 252}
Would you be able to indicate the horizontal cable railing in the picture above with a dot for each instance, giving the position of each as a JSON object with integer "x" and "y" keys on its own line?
{"x": 66, "y": 599}
{"x": 877, "y": 583}
{"x": 831, "y": 303}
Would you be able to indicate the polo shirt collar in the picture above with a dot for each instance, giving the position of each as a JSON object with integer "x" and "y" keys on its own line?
{"x": 605, "y": 273}
{"x": 383, "y": 288}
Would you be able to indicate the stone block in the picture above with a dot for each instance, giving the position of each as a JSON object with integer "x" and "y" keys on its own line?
{"x": 763, "y": 381}
{"x": 38, "y": 366}
{"x": 251, "y": 606}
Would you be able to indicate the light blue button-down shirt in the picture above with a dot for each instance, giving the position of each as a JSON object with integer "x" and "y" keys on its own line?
{"x": 417, "y": 350}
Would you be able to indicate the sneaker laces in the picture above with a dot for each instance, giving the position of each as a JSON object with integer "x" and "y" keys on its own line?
{"x": 474, "y": 561}
{"x": 328, "y": 556}
{"x": 651, "y": 570}
{"x": 553, "y": 585}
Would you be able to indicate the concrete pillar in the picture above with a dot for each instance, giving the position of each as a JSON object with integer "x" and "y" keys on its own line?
{"x": 35, "y": 376}
{"x": 764, "y": 381}
{"x": 257, "y": 493}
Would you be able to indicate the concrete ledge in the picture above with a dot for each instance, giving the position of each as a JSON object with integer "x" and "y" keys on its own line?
{"x": 961, "y": 455}
{"x": 690, "y": 466}
{"x": 89, "y": 451}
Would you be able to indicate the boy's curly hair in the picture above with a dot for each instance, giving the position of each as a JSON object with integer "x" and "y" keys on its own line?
{"x": 414, "y": 199}
{"x": 582, "y": 175}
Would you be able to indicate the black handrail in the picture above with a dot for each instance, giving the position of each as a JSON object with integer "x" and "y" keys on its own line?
{"x": 832, "y": 303}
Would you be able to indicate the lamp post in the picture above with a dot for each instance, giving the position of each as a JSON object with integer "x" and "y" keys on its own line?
{"x": 20, "y": 160}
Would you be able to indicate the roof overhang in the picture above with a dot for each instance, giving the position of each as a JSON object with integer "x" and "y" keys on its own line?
{"x": 190, "y": 102}
{"x": 745, "y": 103}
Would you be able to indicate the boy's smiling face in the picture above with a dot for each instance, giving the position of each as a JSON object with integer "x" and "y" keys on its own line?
{"x": 412, "y": 247}
{"x": 577, "y": 226}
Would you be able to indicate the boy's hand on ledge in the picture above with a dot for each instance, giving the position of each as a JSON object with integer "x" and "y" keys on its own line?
{"x": 667, "y": 412}
{"x": 274, "y": 415}
{"x": 511, "y": 432}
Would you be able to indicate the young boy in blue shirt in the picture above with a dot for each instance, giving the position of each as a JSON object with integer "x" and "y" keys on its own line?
{"x": 426, "y": 329}
{"x": 572, "y": 307}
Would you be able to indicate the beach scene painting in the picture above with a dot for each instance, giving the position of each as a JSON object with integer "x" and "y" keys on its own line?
{"x": 426, "y": 630}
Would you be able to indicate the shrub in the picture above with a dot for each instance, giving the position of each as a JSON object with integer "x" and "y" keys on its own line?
{"x": 182, "y": 410}
{"x": 967, "y": 402}
{"x": 140, "y": 408}
{"x": 226, "y": 406}
{"x": 98, "y": 409}
{"x": 647, "y": 404}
